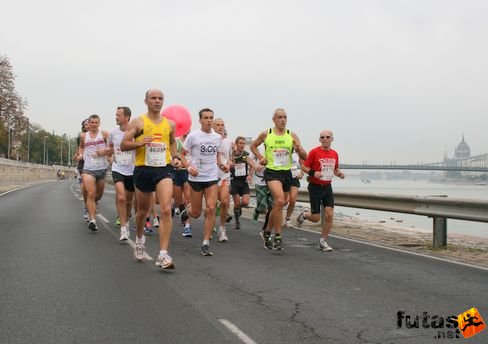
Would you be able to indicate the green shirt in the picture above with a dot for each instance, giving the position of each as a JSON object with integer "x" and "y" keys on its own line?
{"x": 278, "y": 150}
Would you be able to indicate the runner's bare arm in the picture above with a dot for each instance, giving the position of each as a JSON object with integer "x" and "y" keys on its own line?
{"x": 128, "y": 142}
{"x": 302, "y": 153}
{"x": 175, "y": 158}
{"x": 255, "y": 144}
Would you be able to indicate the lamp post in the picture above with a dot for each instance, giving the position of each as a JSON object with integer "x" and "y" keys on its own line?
{"x": 44, "y": 151}
{"x": 28, "y": 142}
{"x": 69, "y": 151}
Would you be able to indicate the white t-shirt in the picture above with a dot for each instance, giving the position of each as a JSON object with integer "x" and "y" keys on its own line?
{"x": 295, "y": 165}
{"x": 203, "y": 148}
{"x": 225, "y": 152}
{"x": 258, "y": 177}
{"x": 123, "y": 160}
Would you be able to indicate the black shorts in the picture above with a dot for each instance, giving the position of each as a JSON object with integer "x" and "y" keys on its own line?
{"x": 320, "y": 195}
{"x": 284, "y": 176}
{"x": 146, "y": 178}
{"x": 180, "y": 177}
{"x": 239, "y": 186}
{"x": 200, "y": 186}
{"x": 127, "y": 180}
{"x": 295, "y": 182}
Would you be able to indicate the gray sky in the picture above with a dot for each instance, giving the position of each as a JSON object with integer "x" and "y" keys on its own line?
{"x": 395, "y": 80}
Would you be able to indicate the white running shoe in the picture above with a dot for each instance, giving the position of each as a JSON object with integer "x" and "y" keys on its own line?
{"x": 324, "y": 246}
{"x": 165, "y": 262}
{"x": 124, "y": 234}
{"x": 222, "y": 234}
{"x": 287, "y": 223}
{"x": 156, "y": 222}
{"x": 139, "y": 249}
{"x": 92, "y": 225}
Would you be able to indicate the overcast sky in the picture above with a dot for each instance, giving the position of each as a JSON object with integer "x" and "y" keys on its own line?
{"x": 395, "y": 80}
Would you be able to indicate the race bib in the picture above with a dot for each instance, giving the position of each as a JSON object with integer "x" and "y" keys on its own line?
{"x": 155, "y": 154}
{"x": 122, "y": 157}
{"x": 97, "y": 162}
{"x": 240, "y": 169}
{"x": 281, "y": 157}
{"x": 327, "y": 169}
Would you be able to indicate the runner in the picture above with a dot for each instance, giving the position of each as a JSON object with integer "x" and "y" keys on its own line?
{"x": 78, "y": 157}
{"x": 224, "y": 153}
{"x": 279, "y": 143}
{"x": 321, "y": 165}
{"x": 202, "y": 146}
{"x": 296, "y": 175}
{"x": 93, "y": 145}
{"x": 122, "y": 171}
{"x": 264, "y": 201}
{"x": 152, "y": 136}
{"x": 181, "y": 189}
{"x": 241, "y": 175}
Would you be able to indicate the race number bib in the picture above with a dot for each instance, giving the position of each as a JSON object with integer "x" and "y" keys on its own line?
{"x": 240, "y": 169}
{"x": 281, "y": 157}
{"x": 327, "y": 169}
{"x": 122, "y": 157}
{"x": 155, "y": 154}
{"x": 97, "y": 162}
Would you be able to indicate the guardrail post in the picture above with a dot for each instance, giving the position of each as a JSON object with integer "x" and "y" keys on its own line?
{"x": 440, "y": 232}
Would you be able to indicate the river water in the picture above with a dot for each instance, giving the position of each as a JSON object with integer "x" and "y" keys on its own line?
{"x": 412, "y": 188}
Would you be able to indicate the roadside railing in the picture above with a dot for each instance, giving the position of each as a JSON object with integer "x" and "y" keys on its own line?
{"x": 439, "y": 208}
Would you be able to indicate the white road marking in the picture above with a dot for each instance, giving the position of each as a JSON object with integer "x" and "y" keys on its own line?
{"x": 237, "y": 331}
{"x": 103, "y": 218}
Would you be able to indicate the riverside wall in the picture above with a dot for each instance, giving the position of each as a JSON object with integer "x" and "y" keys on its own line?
{"x": 11, "y": 170}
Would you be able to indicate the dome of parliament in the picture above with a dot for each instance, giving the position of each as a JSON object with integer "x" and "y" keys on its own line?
{"x": 462, "y": 150}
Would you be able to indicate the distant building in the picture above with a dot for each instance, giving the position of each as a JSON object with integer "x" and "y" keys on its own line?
{"x": 462, "y": 150}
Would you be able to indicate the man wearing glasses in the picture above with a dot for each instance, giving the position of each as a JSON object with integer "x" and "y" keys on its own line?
{"x": 322, "y": 164}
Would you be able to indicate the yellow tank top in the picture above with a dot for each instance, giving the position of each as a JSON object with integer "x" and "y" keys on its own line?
{"x": 278, "y": 150}
{"x": 157, "y": 153}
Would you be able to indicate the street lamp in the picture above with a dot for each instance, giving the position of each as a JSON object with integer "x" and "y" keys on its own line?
{"x": 44, "y": 151}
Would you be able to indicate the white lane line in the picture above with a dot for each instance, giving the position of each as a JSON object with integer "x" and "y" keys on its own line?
{"x": 400, "y": 250}
{"x": 237, "y": 331}
{"x": 103, "y": 218}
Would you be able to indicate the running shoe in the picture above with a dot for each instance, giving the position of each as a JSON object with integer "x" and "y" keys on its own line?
{"x": 86, "y": 216}
{"x": 287, "y": 223}
{"x": 117, "y": 221}
{"x": 165, "y": 262}
{"x": 228, "y": 219}
{"x": 139, "y": 251}
{"x": 266, "y": 236}
{"x": 206, "y": 251}
{"x": 177, "y": 211}
{"x": 92, "y": 225}
{"x": 148, "y": 230}
{"x": 301, "y": 217}
{"x": 222, "y": 235}
{"x": 237, "y": 225}
{"x": 156, "y": 222}
{"x": 187, "y": 232}
{"x": 324, "y": 246}
{"x": 124, "y": 234}
{"x": 255, "y": 216}
{"x": 278, "y": 243}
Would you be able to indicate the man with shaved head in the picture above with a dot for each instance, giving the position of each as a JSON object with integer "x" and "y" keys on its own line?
{"x": 152, "y": 136}
{"x": 279, "y": 142}
{"x": 322, "y": 164}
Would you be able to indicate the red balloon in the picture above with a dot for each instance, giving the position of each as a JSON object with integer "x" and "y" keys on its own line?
{"x": 181, "y": 116}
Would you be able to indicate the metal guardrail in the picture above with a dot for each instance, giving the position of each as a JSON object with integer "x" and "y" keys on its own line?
{"x": 439, "y": 208}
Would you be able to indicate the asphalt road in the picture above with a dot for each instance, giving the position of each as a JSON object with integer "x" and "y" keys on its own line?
{"x": 59, "y": 283}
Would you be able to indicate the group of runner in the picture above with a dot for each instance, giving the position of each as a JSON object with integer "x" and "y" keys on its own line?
{"x": 150, "y": 163}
